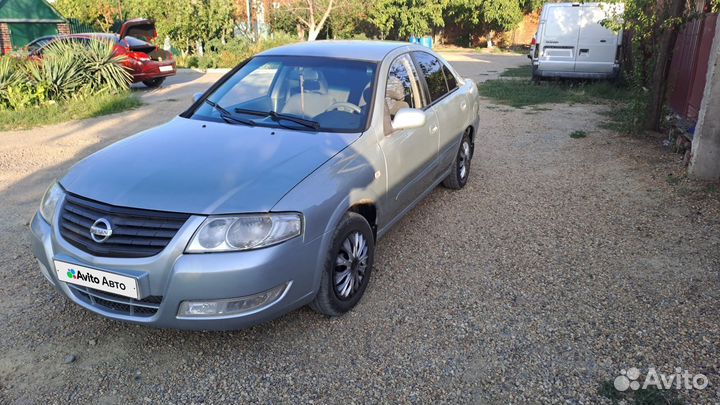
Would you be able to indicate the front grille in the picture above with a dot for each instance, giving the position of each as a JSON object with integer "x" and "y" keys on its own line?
{"x": 135, "y": 232}
{"x": 117, "y": 303}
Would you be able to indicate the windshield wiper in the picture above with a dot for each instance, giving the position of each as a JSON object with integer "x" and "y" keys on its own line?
{"x": 276, "y": 116}
{"x": 227, "y": 115}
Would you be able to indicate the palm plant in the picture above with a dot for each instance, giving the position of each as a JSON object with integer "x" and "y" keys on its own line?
{"x": 103, "y": 68}
{"x": 10, "y": 78}
{"x": 60, "y": 72}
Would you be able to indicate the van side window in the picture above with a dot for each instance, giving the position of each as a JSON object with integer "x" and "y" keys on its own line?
{"x": 432, "y": 69}
{"x": 451, "y": 80}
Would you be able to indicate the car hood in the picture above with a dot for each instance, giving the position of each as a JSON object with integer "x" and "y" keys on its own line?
{"x": 200, "y": 167}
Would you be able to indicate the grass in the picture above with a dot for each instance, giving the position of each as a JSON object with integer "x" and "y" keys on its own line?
{"x": 47, "y": 114}
{"x": 522, "y": 93}
{"x": 578, "y": 134}
{"x": 520, "y": 71}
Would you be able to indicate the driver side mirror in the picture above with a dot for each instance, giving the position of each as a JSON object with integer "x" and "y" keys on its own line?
{"x": 407, "y": 118}
{"x": 197, "y": 96}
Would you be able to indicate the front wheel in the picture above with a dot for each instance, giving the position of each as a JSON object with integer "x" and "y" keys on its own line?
{"x": 153, "y": 83}
{"x": 347, "y": 268}
{"x": 458, "y": 177}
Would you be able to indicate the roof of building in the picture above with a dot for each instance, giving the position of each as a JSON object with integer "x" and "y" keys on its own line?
{"x": 358, "y": 50}
{"x": 28, "y": 11}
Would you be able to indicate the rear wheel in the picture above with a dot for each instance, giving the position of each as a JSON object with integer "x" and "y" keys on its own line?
{"x": 152, "y": 83}
{"x": 347, "y": 267}
{"x": 458, "y": 177}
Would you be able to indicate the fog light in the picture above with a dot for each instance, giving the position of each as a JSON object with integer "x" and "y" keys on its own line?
{"x": 45, "y": 272}
{"x": 232, "y": 306}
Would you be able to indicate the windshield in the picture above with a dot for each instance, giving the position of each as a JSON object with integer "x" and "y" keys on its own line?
{"x": 296, "y": 92}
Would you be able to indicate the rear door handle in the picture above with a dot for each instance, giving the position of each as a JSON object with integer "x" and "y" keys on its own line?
{"x": 463, "y": 106}
{"x": 584, "y": 51}
{"x": 433, "y": 129}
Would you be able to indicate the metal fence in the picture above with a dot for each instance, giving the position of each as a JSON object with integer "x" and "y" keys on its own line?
{"x": 76, "y": 27}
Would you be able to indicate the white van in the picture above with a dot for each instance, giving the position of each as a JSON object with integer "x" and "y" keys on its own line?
{"x": 571, "y": 42}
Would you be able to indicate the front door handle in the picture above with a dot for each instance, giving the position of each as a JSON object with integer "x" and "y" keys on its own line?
{"x": 463, "y": 106}
{"x": 433, "y": 129}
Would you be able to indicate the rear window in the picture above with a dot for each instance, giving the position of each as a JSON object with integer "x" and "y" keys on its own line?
{"x": 134, "y": 42}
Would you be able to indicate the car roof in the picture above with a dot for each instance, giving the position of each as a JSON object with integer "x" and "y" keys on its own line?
{"x": 374, "y": 51}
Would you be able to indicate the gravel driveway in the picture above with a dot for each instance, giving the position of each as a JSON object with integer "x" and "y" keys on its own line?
{"x": 562, "y": 262}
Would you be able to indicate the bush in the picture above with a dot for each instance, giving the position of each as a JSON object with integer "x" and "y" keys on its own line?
{"x": 66, "y": 71}
{"x": 233, "y": 52}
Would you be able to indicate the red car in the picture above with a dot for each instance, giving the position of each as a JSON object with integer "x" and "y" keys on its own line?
{"x": 147, "y": 63}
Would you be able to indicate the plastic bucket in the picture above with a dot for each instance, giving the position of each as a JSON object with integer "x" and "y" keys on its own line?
{"x": 426, "y": 42}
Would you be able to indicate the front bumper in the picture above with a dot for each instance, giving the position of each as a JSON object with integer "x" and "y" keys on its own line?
{"x": 172, "y": 277}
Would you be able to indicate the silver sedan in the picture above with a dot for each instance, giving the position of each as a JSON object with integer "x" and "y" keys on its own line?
{"x": 267, "y": 194}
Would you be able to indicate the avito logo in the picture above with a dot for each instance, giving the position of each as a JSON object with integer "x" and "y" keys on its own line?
{"x": 85, "y": 277}
{"x": 78, "y": 275}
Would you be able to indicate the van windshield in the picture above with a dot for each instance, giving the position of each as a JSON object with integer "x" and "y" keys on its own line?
{"x": 334, "y": 94}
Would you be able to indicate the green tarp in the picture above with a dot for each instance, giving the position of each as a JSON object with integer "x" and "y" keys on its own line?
{"x": 22, "y": 33}
{"x": 25, "y": 11}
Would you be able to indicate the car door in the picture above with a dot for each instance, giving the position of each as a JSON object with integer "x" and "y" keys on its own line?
{"x": 561, "y": 28}
{"x": 410, "y": 154}
{"x": 446, "y": 103}
{"x": 597, "y": 45}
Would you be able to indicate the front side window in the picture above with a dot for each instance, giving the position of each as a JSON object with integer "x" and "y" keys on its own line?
{"x": 332, "y": 94}
{"x": 402, "y": 89}
{"x": 432, "y": 69}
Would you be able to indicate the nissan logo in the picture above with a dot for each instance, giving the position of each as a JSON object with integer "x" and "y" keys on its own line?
{"x": 101, "y": 230}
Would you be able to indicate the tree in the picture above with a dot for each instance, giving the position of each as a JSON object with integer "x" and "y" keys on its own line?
{"x": 486, "y": 16}
{"x": 350, "y": 19}
{"x": 101, "y": 13}
{"x": 311, "y": 15}
{"x": 651, "y": 28}
{"x": 407, "y": 17}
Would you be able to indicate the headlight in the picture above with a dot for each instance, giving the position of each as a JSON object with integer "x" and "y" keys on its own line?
{"x": 50, "y": 201}
{"x": 244, "y": 232}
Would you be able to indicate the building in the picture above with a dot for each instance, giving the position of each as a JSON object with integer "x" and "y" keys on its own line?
{"x": 21, "y": 21}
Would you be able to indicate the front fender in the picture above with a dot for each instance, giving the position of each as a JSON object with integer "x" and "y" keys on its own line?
{"x": 325, "y": 196}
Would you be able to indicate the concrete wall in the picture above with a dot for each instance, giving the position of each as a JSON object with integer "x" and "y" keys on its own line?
{"x": 705, "y": 160}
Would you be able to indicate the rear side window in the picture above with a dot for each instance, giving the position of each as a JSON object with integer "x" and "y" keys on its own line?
{"x": 451, "y": 81}
{"x": 432, "y": 69}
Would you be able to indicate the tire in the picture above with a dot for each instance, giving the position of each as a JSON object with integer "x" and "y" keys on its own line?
{"x": 536, "y": 78}
{"x": 153, "y": 83}
{"x": 331, "y": 299}
{"x": 458, "y": 177}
